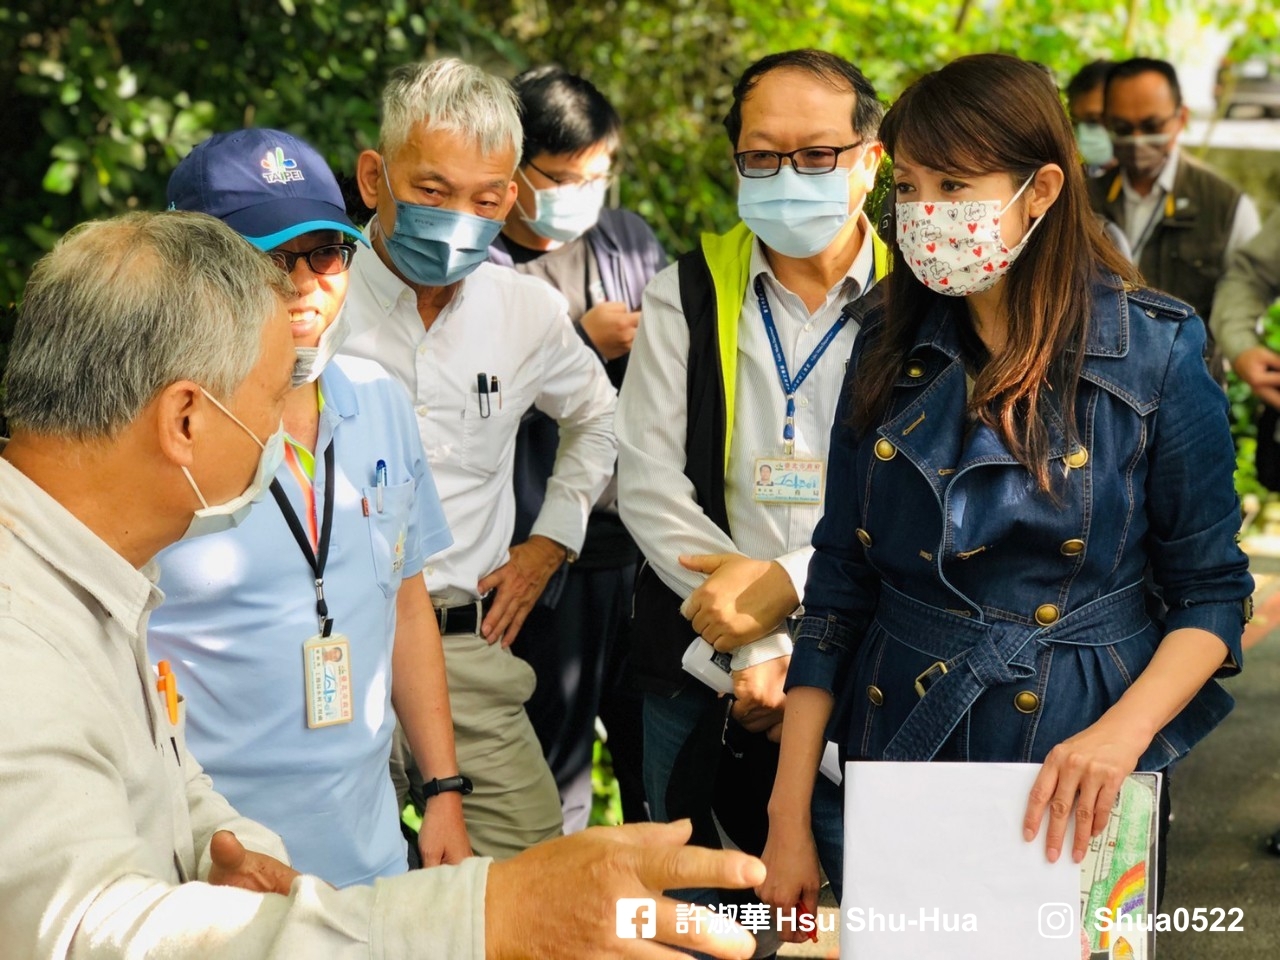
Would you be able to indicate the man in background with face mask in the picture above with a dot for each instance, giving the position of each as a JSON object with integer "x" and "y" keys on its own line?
{"x": 289, "y": 697}
{"x": 738, "y": 365}
{"x": 477, "y": 346}
{"x": 600, "y": 259}
{"x": 1084, "y": 105}
{"x": 1182, "y": 220}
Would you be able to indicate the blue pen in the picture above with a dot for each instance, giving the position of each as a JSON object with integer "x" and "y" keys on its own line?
{"x": 380, "y": 481}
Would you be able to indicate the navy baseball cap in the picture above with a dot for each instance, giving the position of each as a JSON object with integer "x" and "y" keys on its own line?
{"x": 267, "y": 185}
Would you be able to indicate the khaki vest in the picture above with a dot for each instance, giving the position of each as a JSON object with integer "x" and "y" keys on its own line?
{"x": 1184, "y": 254}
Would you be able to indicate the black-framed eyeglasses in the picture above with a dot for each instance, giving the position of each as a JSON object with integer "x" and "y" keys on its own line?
{"x": 570, "y": 181}
{"x": 809, "y": 161}
{"x": 1147, "y": 128}
{"x": 330, "y": 259}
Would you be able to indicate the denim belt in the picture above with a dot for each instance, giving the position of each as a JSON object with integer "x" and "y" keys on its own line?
{"x": 974, "y": 655}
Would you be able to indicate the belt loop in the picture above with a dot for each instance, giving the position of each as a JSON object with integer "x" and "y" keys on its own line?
{"x": 444, "y": 619}
{"x": 479, "y": 605}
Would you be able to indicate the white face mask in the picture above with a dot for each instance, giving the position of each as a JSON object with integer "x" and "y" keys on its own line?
{"x": 224, "y": 516}
{"x": 565, "y": 213}
{"x": 311, "y": 361}
{"x": 954, "y": 246}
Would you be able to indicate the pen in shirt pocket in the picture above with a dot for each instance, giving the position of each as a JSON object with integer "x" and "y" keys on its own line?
{"x": 379, "y": 482}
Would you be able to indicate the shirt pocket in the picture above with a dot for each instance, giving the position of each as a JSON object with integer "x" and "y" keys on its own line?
{"x": 488, "y": 442}
{"x": 389, "y": 531}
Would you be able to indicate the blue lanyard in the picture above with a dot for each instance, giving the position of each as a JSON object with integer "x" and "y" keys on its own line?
{"x": 789, "y": 386}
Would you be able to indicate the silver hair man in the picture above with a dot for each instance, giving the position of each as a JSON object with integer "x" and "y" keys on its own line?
{"x": 449, "y": 94}
{"x": 120, "y": 308}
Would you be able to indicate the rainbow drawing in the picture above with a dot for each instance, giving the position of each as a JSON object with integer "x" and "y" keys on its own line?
{"x": 1127, "y": 896}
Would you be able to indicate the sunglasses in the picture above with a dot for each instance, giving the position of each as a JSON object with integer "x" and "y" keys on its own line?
{"x": 330, "y": 259}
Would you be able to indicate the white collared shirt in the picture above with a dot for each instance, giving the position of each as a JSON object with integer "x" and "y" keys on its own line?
{"x": 504, "y": 325}
{"x": 106, "y": 814}
{"x": 1139, "y": 211}
{"x": 655, "y": 498}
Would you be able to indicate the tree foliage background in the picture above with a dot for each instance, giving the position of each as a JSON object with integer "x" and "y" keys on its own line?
{"x": 103, "y": 97}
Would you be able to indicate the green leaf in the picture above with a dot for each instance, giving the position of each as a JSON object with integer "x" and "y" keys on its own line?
{"x": 61, "y": 177}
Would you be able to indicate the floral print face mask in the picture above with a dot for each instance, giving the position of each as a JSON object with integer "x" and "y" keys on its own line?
{"x": 954, "y": 246}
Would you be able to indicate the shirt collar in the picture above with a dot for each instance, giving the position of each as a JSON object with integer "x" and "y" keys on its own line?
{"x": 66, "y": 544}
{"x": 859, "y": 272}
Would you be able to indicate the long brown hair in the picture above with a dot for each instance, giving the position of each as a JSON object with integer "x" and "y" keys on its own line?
{"x": 984, "y": 114}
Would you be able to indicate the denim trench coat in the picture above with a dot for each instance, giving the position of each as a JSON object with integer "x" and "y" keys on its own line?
{"x": 954, "y": 611}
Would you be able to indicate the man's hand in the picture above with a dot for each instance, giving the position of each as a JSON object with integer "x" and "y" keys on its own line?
{"x": 234, "y": 866}
{"x": 518, "y": 584}
{"x": 611, "y": 327}
{"x": 758, "y": 694}
{"x": 1260, "y": 369}
{"x": 443, "y": 836}
{"x": 741, "y": 600}
{"x": 560, "y": 898}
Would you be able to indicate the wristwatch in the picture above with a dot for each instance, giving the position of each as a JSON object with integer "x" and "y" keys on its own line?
{"x": 458, "y": 784}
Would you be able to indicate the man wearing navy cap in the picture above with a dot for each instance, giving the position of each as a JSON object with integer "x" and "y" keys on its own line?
{"x": 292, "y": 635}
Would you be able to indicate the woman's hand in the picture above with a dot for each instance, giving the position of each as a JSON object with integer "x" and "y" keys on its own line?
{"x": 1084, "y": 772}
{"x": 791, "y": 859}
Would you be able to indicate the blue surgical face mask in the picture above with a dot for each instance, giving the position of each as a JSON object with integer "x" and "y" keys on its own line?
{"x": 434, "y": 247}
{"x": 798, "y": 216}
{"x": 567, "y": 212}
{"x": 1094, "y": 143}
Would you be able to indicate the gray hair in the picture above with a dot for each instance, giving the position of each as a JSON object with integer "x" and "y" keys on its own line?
{"x": 122, "y": 308}
{"x": 451, "y": 95}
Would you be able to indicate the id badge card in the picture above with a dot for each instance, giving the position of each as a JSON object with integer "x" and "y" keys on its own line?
{"x": 327, "y": 666}
{"x": 796, "y": 481}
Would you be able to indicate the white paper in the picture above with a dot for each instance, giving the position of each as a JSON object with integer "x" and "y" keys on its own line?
{"x": 829, "y": 766}
{"x": 935, "y": 867}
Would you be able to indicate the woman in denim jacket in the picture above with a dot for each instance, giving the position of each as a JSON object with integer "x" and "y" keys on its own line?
{"x": 1028, "y": 551}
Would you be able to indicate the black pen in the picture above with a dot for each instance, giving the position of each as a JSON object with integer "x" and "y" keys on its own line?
{"x": 482, "y": 395}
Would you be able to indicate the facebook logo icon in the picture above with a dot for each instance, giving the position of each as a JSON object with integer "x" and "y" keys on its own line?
{"x": 637, "y": 918}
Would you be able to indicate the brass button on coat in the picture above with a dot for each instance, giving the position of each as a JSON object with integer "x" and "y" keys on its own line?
{"x": 915, "y": 369}
{"x": 1072, "y": 548}
{"x": 1046, "y": 614}
{"x": 885, "y": 450}
{"x": 875, "y": 696}
{"x": 1026, "y": 701}
{"x": 863, "y": 537}
{"x": 1077, "y": 458}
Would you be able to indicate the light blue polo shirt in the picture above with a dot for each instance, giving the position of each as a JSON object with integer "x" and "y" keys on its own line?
{"x": 240, "y": 605}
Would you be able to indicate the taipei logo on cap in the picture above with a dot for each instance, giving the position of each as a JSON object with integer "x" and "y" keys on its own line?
{"x": 279, "y": 168}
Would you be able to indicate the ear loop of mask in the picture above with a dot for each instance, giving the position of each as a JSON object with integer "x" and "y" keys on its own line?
{"x": 234, "y": 419}
{"x": 1014, "y": 199}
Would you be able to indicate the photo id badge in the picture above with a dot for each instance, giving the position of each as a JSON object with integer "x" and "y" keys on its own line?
{"x": 791, "y": 480}
{"x": 327, "y": 664}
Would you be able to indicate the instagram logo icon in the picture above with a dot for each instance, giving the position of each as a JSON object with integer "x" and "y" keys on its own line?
{"x": 1057, "y": 921}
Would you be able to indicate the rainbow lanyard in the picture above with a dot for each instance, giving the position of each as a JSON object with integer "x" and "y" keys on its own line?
{"x": 302, "y": 464}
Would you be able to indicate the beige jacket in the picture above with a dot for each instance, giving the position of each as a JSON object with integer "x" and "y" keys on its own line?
{"x": 105, "y": 818}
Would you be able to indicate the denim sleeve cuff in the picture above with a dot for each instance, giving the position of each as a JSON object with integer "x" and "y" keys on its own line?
{"x": 822, "y": 645}
{"x": 1224, "y": 620}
